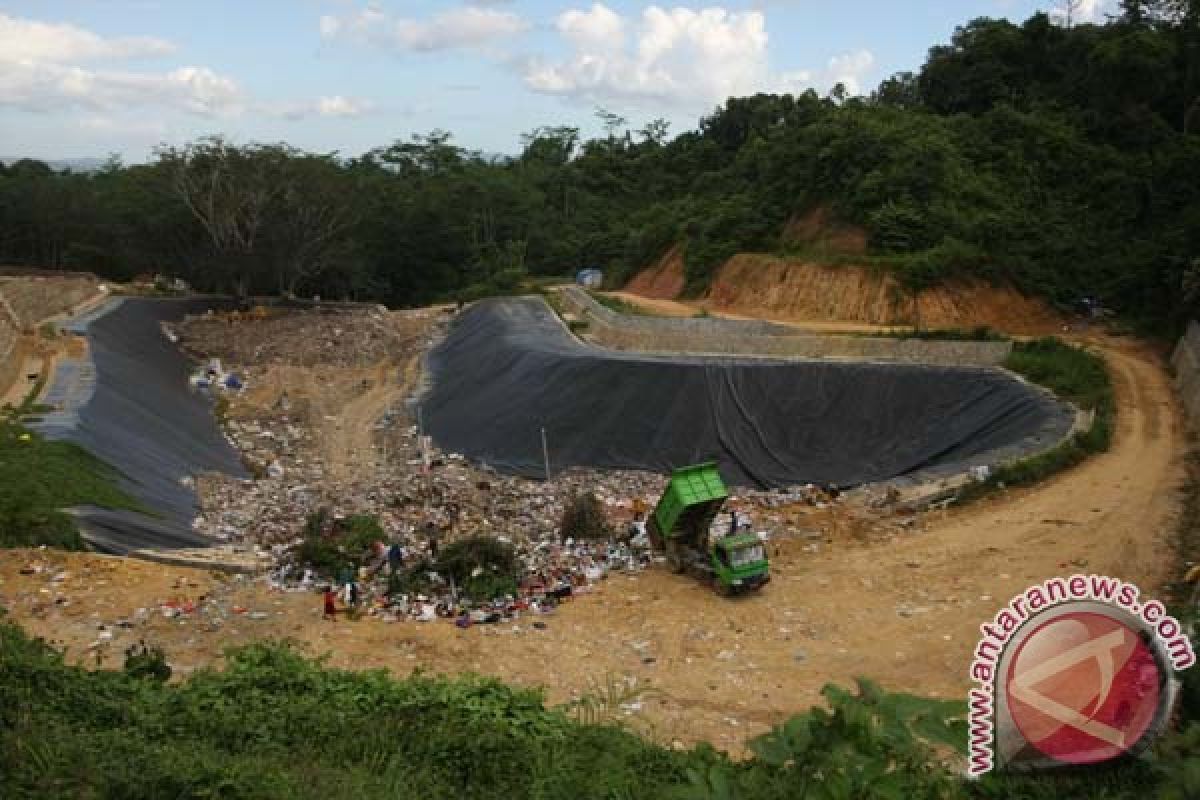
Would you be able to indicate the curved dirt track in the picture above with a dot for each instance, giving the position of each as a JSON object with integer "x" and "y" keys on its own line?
{"x": 901, "y": 605}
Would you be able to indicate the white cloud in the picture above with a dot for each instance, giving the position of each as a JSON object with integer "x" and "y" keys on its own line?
{"x": 1084, "y": 11}
{"x": 848, "y": 69}
{"x": 30, "y": 40}
{"x": 682, "y": 57}
{"x": 36, "y": 86}
{"x": 459, "y": 28}
{"x": 142, "y": 129}
{"x": 40, "y": 70}
{"x": 333, "y": 106}
{"x": 339, "y": 106}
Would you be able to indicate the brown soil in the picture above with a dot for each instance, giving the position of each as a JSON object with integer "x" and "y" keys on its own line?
{"x": 797, "y": 290}
{"x": 790, "y": 290}
{"x": 34, "y": 354}
{"x": 902, "y": 608}
{"x": 845, "y": 298}
{"x": 338, "y": 385}
{"x": 663, "y": 280}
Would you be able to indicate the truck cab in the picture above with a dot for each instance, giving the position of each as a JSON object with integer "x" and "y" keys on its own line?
{"x": 740, "y": 562}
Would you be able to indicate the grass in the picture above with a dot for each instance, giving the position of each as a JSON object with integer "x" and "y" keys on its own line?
{"x": 1075, "y": 375}
{"x": 275, "y": 724}
{"x": 39, "y": 478}
{"x": 820, "y": 252}
{"x": 981, "y": 333}
{"x": 620, "y": 306}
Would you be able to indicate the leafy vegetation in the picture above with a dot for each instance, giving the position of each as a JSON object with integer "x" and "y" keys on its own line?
{"x": 142, "y": 661}
{"x": 584, "y": 519}
{"x": 336, "y": 546}
{"x": 1064, "y": 160}
{"x": 39, "y": 477}
{"x": 618, "y": 305}
{"x": 979, "y": 334}
{"x": 1074, "y": 375}
{"x": 483, "y": 567}
{"x": 275, "y": 724}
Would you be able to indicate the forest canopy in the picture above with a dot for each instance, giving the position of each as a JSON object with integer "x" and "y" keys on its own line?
{"x": 1062, "y": 159}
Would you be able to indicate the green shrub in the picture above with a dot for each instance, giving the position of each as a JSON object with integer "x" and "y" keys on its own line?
{"x": 333, "y": 547}
{"x": 485, "y": 555}
{"x": 618, "y": 305}
{"x": 147, "y": 662}
{"x": 274, "y": 724}
{"x": 39, "y": 478}
{"x": 980, "y": 333}
{"x": 584, "y": 518}
{"x": 413, "y": 579}
{"x": 1074, "y": 375}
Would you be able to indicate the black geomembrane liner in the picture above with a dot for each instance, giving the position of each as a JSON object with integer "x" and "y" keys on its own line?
{"x": 147, "y": 422}
{"x": 508, "y": 368}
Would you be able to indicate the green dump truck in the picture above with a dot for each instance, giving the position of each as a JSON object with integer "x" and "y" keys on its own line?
{"x": 680, "y": 525}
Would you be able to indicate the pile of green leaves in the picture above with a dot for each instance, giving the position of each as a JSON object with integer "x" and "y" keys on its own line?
{"x": 483, "y": 567}
{"x": 333, "y": 546}
{"x": 584, "y": 519}
{"x": 39, "y": 478}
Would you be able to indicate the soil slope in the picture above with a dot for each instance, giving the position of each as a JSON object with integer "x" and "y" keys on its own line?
{"x": 663, "y": 280}
{"x": 796, "y": 290}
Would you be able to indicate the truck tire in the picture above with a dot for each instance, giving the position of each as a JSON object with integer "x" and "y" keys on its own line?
{"x": 653, "y": 534}
{"x": 675, "y": 558}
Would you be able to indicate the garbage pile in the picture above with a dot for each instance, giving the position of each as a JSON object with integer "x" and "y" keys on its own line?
{"x": 214, "y": 376}
{"x": 343, "y": 338}
{"x": 549, "y": 576}
{"x": 422, "y": 498}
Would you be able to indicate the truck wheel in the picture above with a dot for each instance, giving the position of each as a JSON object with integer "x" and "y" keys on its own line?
{"x": 652, "y": 533}
{"x": 674, "y": 560}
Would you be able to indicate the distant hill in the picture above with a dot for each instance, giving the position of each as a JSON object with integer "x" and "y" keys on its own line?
{"x": 59, "y": 164}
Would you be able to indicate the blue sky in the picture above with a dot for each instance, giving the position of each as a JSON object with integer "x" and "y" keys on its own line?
{"x": 90, "y": 77}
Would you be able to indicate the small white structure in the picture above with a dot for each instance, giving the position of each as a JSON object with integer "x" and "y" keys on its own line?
{"x": 589, "y": 278}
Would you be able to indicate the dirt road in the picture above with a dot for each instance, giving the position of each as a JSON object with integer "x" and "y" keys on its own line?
{"x": 677, "y": 308}
{"x": 904, "y": 612}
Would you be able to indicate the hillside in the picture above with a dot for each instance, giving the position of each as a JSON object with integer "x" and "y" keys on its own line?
{"x": 1062, "y": 161}
{"x": 831, "y": 283}
{"x": 795, "y": 290}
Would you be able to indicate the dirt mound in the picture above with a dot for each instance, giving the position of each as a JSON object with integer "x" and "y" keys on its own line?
{"x": 297, "y": 338}
{"x": 767, "y": 286}
{"x": 664, "y": 280}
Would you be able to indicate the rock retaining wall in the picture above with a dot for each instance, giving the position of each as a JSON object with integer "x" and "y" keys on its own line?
{"x": 10, "y": 330}
{"x": 1186, "y": 361}
{"x": 716, "y": 335}
{"x": 31, "y": 299}
{"x": 26, "y": 299}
